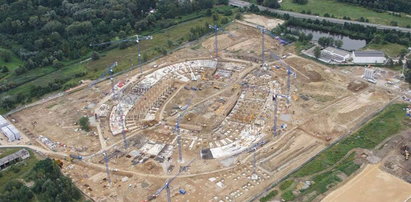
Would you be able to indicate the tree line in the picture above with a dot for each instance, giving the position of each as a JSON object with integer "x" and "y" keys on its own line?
{"x": 384, "y": 5}
{"x": 353, "y": 30}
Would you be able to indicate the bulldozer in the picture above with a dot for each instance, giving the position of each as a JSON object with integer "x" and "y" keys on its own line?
{"x": 59, "y": 162}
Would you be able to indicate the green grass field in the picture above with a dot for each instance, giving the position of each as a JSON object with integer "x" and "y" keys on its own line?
{"x": 339, "y": 10}
{"x": 390, "y": 49}
{"x": 387, "y": 123}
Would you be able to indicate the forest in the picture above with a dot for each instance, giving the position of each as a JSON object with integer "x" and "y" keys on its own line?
{"x": 49, "y": 184}
{"x": 47, "y": 32}
{"x": 384, "y": 5}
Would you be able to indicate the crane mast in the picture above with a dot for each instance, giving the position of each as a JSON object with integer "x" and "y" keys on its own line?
{"x": 216, "y": 29}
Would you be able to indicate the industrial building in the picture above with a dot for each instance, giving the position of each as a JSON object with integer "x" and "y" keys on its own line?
{"x": 368, "y": 57}
{"x": 331, "y": 54}
{"x": 9, "y": 130}
{"x": 13, "y": 158}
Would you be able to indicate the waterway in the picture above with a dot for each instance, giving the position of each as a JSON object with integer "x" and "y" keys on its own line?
{"x": 349, "y": 43}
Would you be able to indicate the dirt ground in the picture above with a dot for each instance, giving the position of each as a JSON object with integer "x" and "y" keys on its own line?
{"x": 325, "y": 103}
{"x": 372, "y": 184}
{"x": 268, "y": 23}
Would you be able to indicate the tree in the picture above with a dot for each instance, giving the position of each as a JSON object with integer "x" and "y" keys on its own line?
{"x": 403, "y": 52}
{"x": 338, "y": 43}
{"x": 84, "y": 123}
{"x": 238, "y": 16}
{"x": 408, "y": 64}
{"x": 317, "y": 52}
{"x": 408, "y": 75}
{"x": 4, "y": 69}
{"x": 300, "y": 1}
{"x": 390, "y": 62}
{"x": 95, "y": 56}
{"x": 326, "y": 41}
{"x": 271, "y": 3}
{"x": 254, "y": 8}
{"x": 394, "y": 23}
{"x": 225, "y": 2}
{"x": 5, "y": 56}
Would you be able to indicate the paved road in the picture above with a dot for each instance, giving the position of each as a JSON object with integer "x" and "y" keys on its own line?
{"x": 240, "y": 3}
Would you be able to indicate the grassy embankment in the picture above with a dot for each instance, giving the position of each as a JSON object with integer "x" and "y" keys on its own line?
{"x": 390, "y": 49}
{"x": 326, "y": 169}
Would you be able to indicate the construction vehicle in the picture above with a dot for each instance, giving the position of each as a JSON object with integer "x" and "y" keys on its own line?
{"x": 203, "y": 76}
{"x": 74, "y": 156}
{"x": 59, "y": 162}
{"x": 405, "y": 150}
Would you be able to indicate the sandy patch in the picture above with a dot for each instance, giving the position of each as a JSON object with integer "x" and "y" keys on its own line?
{"x": 269, "y": 23}
{"x": 373, "y": 185}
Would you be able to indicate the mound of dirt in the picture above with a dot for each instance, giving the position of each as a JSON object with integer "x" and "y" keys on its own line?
{"x": 314, "y": 76}
{"x": 356, "y": 86}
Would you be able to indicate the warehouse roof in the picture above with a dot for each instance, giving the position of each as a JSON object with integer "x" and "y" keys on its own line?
{"x": 337, "y": 51}
{"x": 370, "y": 53}
{"x": 23, "y": 154}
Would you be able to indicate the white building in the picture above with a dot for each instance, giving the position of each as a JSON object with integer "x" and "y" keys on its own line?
{"x": 9, "y": 130}
{"x": 369, "y": 57}
{"x": 331, "y": 54}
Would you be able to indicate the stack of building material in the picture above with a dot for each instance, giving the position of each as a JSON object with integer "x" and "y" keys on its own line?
{"x": 369, "y": 75}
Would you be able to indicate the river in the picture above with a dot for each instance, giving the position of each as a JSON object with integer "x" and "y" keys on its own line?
{"x": 348, "y": 43}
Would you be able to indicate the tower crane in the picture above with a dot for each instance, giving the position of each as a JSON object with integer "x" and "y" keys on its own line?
{"x": 109, "y": 72}
{"x": 177, "y": 131}
{"x": 275, "y": 99}
{"x": 263, "y": 30}
{"x": 135, "y": 38}
{"x": 290, "y": 73}
{"x": 107, "y": 169}
{"x": 216, "y": 29}
{"x": 166, "y": 185}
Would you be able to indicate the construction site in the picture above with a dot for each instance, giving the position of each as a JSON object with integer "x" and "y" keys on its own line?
{"x": 220, "y": 122}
